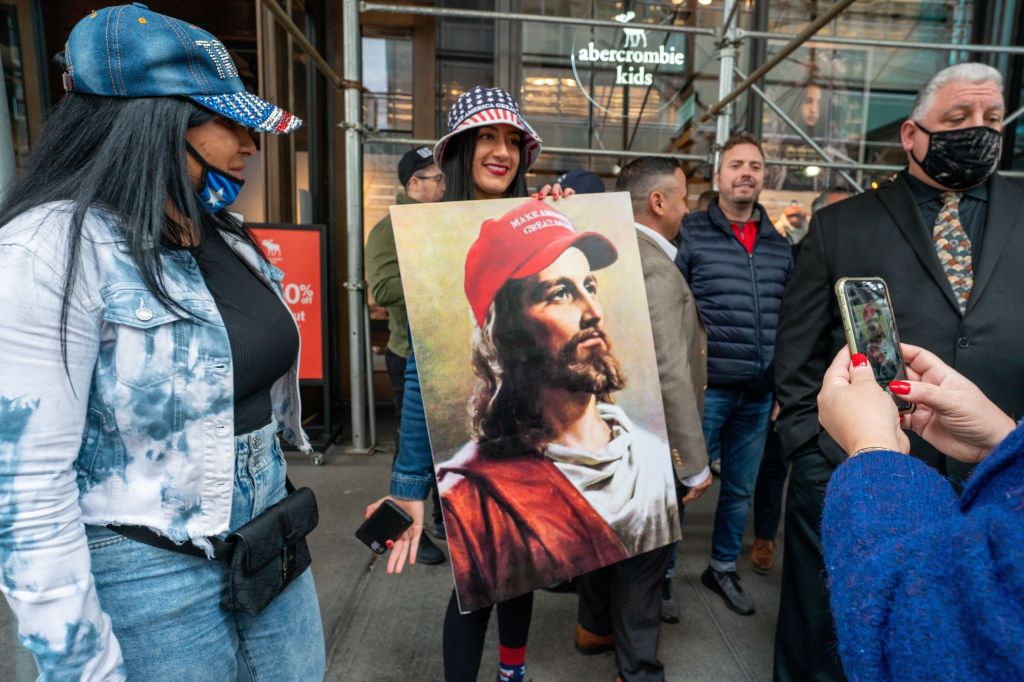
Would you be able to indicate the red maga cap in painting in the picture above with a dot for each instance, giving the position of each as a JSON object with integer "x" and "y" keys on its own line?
{"x": 521, "y": 243}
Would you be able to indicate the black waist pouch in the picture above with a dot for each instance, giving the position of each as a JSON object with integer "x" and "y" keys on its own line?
{"x": 270, "y": 552}
{"x": 264, "y": 556}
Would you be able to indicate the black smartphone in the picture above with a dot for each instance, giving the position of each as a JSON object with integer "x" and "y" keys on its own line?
{"x": 388, "y": 522}
{"x": 870, "y": 327}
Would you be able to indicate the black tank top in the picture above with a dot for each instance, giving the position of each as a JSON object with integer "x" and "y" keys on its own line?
{"x": 264, "y": 341}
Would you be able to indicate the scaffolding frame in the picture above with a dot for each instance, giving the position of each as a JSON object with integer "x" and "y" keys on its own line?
{"x": 729, "y": 39}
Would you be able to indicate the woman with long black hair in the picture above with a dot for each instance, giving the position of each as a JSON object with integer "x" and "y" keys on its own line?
{"x": 485, "y": 154}
{"x": 149, "y": 363}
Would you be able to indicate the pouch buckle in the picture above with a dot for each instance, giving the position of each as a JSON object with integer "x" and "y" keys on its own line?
{"x": 288, "y": 558}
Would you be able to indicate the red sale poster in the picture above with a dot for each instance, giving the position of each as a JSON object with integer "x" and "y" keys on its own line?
{"x": 296, "y": 251}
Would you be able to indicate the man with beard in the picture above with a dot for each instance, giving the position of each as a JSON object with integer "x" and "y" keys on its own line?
{"x": 557, "y": 480}
{"x": 737, "y": 265}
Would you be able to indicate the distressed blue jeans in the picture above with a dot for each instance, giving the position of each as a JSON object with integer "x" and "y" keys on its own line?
{"x": 735, "y": 428}
{"x": 165, "y": 606}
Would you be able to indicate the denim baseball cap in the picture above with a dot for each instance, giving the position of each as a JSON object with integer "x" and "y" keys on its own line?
{"x": 130, "y": 51}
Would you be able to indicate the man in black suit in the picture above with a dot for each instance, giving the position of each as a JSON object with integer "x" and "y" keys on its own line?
{"x": 948, "y": 236}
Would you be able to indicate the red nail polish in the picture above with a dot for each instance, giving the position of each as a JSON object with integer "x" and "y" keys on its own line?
{"x": 390, "y": 543}
{"x": 899, "y": 387}
{"x": 859, "y": 360}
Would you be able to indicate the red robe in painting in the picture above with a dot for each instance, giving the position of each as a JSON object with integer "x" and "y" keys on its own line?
{"x": 517, "y": 524}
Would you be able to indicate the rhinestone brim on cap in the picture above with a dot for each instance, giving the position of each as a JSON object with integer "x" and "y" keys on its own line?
{"x": 251, "y": 111}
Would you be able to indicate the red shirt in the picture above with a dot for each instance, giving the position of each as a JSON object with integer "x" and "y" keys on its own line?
{"x": 746, "y": 233}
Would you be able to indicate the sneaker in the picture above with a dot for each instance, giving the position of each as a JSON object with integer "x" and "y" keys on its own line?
{"x": 428, "y": 553}
{"x": 588, "y": 644}
{"x": 514, "y": 673}
{"x": 727, "y": 584}
{"x": 762, "y": 556}
{"x": 669, "y": 611}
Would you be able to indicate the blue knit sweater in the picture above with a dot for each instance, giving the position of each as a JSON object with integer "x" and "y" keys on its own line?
{"x": 925, "y": 586}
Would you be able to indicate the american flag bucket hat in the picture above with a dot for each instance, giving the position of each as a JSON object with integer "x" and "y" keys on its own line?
{"x": 488, "y": 106}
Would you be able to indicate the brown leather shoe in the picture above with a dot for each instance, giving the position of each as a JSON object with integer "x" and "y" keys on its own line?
{"x": 762, "y": 556}
{"x": 588, "y": 643}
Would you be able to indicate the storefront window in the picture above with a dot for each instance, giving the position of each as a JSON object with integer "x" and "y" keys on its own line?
{"x": 14, "y": 83}
{"x": 607, "y": 88}
{"x": 387, "y": 75}
{"x": 388, "y": 107}
{"x": 852, "y": 99}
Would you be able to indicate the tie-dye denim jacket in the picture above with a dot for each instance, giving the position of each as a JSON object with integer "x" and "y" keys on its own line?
{"x": 136, "y": 429}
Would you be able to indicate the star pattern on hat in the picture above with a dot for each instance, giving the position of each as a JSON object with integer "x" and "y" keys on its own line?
{"x": 252, "y": 111}
{"x": 477, "y": 99}
{"x": 482, "y": 106}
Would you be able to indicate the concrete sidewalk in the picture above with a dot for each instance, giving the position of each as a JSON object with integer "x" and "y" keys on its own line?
{"x": 382, "y": 628}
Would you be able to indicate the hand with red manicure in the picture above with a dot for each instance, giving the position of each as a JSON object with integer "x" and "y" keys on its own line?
{"x": 952, "y": 413}
{"x": 855, "y": 410}
{"x": 555, "y": 191}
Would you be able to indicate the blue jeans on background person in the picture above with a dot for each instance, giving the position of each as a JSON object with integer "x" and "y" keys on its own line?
{"x": 735, "y": 428}
{"x": 165, "y": 607}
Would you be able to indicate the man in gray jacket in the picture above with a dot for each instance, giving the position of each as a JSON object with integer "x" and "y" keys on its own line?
{"x": 630, "y": 621}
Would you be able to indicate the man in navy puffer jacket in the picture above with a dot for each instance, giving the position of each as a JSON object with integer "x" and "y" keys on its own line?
{"x": 737, "y": 265}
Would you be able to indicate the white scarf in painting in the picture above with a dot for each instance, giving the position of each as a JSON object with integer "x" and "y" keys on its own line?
{"x": 629, "y": 482}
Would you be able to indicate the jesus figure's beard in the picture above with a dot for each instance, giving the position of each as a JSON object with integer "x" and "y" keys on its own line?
{"x": 591, "y": 370}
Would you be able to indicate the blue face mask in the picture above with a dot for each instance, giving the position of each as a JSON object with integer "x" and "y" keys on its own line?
{"x": 217, "y": 189}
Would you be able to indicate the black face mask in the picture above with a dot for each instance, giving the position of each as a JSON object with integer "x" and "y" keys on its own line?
{"x": 962, "y": 158}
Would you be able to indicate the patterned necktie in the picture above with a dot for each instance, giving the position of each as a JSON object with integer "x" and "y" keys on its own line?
{"x": 953, "y": 247}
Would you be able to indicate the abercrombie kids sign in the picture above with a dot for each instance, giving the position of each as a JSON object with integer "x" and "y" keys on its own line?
{"x": 624, "y": 59}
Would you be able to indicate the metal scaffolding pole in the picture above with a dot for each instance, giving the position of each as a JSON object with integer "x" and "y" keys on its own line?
{"x": 7, "y": 165}
{"x": 836, "y": 165}
{"x": 871, "y": 42}
{"x": 516, "y": 16}
{"x": 574, "y": 151}
{"x": 354, "y": 284}
{"x": 727, "y": 62}
{"x": 300, "y": 38}
{"x": 787, "y": 49}
{"x": 799, "y": 131}
{"x": 633, "y": 154}
{"x": 1013, "y": 117}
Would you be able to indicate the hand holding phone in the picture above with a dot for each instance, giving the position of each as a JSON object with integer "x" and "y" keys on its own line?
{"x": 384, "y": 526}
{"x": 870, "y": 327}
